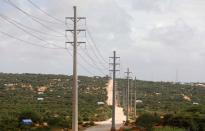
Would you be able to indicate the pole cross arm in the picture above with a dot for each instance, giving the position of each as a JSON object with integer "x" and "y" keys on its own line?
{"x": 115, "y": 57}
{"x": 115, "y": 63}
{"x": 76, "y": 30}
{"x": 77, "y": 18}
{"x": 114, "y": 70}
{"x": 80, "y": 42}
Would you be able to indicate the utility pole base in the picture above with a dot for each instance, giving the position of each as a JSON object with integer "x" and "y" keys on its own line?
{"x": 113, "y": 129}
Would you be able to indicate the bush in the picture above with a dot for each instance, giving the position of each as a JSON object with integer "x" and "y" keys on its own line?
{"x": 187, "y": 121}
{"x": 27, "y": 114}
{"x": 8, "y": 124}
{"x": 59, "y": 122}
{"x": 169, "y": 129}
{"x": 148, "y": 120}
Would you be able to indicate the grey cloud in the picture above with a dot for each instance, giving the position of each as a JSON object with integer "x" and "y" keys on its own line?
{"x": 151, "y": 53}
{"x": 158, "y": 6}
{"x": 177, "y": 34}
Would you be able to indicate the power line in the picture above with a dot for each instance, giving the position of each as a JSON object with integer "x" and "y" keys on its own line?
{"x": 30, "y": 16}
{"x": 99, "y": 69}
{"x": 83, "y": 67}
{"x": 29, "y": 32}
{"x": 20, "y": 9}
{"x": 27, "y": 42}
{"x": 30, "y": 28}
{"x": 42, "y": 46}
{"x": 96, "y": 54}
{"x": 93, "y": 41}
{"x": 93, "y": 60}
{"x": 46, "y": 13}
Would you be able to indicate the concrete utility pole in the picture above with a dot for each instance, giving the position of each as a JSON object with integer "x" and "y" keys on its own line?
{"x": 127, "y": 95}
{"x": 131, "y": 95}
{"x": 114, "y": 89}
{"x": 135, "y": 99}
{"x": 75, "y": 43}
{"x": 123, "y": 97}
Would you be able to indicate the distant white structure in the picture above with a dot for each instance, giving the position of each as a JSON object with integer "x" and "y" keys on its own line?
{"x": 139, "y": 101}
{"x": 157, "y": 93}
{"x": 40, "y": 99}
{"x": 195, "y": 103}
{"x": 40, "y": 93}
{"x": 100, "y": 103}
{"x": 9, "y": 85}
{"x": 42, "y": 89}
{"x": 202, "y": 85}
{"x": 187, "y": 98}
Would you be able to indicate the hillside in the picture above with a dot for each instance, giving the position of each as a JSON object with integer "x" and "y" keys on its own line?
{"x": 161, "y": 104}
{"x": 49, "y": 98}
{"x": 164, "y": 96}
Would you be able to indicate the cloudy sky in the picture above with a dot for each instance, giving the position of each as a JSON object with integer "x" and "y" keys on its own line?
{"x": 156, "y": 39}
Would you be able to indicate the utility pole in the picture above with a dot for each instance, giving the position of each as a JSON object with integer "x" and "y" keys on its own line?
{"x": 75, "y": 43}
{"x": 135, "y": 99}
{"x": 114, "y": 89}
{"x": 176, "y": 79}
{"x": 123, "y": 97}
{"x": 131, "y": 95}
{"x": 127, "y": 95}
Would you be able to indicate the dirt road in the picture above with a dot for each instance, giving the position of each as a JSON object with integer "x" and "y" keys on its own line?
{"x": 106, "y": 125}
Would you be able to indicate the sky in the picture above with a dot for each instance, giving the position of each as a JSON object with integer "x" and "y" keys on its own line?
{"x": 158, "y": 40}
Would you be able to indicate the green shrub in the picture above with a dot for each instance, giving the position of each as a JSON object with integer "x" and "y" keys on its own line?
{"x": 169, "y": 129}
{"x": 27, "y": 114}
{"x": 8, "y": 124}
{"x": 147, "y": 120}
{"x": 184, "y": 120}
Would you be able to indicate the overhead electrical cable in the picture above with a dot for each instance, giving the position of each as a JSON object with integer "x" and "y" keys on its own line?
{"x": 31, "y": 34}
{"x": 94, "y": 61}
{"x": 95, "y": 54}
{"x": 93, "y": 66}
{"x": 46, "y": 13}
{"x": 33, "y": 18}
{"x": 97, "y": 49}
{"x": 30, "y": 28}
{"x": 25, "y": 12}
{"x": 81, "y": 65}
{"x": 26, "y": 42}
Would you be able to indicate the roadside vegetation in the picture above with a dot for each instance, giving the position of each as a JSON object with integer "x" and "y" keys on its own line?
{"x": 46, "y": 99}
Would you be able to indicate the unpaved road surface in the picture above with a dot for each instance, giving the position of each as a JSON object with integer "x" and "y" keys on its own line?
{"x": 120, "y": 117}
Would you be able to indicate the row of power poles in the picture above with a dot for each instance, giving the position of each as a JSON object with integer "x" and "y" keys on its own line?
{"x": 129, "y": 96}
{"x": 75, "y": 43}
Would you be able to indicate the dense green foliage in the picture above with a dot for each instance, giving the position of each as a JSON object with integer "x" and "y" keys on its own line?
{"x": 164, "y": 96}
{"x": 19, "y": 94}
{"x": 168, "y": 129}
{"x": 181, "y": 105}
{"x": 147, "y": 120}
{"x": 192, "y": 119}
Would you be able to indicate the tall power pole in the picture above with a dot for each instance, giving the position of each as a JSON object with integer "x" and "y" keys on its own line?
{"x": 131, "y": 95}
{"x": 75, "y": 43}
{"x": 124, "y": 97}
{"x": 176, "y": 79}
{"x": 135, "y": 99}
{"x": 127, "y": 95}
{"x": 114, "y": 89}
